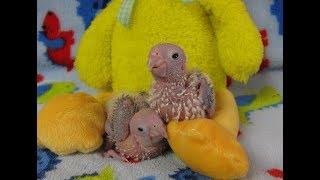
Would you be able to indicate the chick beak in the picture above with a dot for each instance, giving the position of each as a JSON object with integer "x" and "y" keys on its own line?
{"x": 160, "y": 132}
{"x": 157, "y": 65}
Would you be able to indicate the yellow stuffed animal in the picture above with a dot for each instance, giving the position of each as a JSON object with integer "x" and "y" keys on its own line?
{"x": 218, "y": 37}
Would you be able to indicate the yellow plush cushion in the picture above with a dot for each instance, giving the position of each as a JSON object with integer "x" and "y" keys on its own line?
{"x": 70, "y": 123}
{"x": 210, "y": 146}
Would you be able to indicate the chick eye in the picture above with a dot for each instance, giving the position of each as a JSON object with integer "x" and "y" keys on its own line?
{"x": 154, "y": 125}
{"x": 140, "y": 129}
{"x": 175, "y": 56}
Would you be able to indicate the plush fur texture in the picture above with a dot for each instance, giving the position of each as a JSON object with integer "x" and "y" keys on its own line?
{"x": 212, "y": 147}
{"x": 218, "y": 37}
{"x": 70, "y": 123}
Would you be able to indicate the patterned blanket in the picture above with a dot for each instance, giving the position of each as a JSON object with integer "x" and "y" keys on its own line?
{"x": 261, "y": 116}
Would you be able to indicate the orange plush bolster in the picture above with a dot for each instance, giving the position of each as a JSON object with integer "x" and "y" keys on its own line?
{"x": 210, "y": 146}
{"x": 206, "y": 147}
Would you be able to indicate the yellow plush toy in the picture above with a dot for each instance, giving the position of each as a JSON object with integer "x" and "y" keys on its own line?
{"x": 218, "y": 37}
{"x": 70, "y": 123}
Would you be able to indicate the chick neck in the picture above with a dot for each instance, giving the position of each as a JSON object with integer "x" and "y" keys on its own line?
{"x": 172, "y": 81}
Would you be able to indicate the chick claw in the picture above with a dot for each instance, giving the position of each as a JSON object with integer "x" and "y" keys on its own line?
{"x": 113, "y": 154}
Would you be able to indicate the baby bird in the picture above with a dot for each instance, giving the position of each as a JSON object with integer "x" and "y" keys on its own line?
{"x": 176, "y": 94}
{"x": 134, "y": 131}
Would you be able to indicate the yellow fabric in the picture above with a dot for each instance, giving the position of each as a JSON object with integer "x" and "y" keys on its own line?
{"x": 71, "y": 122}
{"x": 217, "y": 36}
{"x": 93, "y": 56}
{"x": 210, "y": 146}
{"x": 103, "y": 97}
{"x": 227, "y": 114}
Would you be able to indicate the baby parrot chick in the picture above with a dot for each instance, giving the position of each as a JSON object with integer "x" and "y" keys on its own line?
{"x": 134, "y": 131}
{"x": 177, "y": 94}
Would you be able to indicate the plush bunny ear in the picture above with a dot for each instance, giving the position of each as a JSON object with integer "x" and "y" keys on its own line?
{"x": 239, "y": 45}
{"x": 93, "y": 59}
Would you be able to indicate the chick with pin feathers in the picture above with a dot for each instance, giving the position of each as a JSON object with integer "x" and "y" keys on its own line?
{"x": 177, "y": 94}
{"x": 134, "y": 131}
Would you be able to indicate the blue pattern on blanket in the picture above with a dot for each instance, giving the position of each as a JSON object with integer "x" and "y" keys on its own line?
{"x": 46, "y": 161}
{"x": 277, "y": 10}
{"x": 244, "y": 99}
{"x": 50, "y": 43}
{"x": 88, "y": 9}
{"x": 43, "y": 89}
{"x": 148, "y": 178}
{"x": 188, "y": 174}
